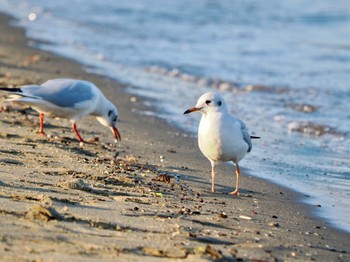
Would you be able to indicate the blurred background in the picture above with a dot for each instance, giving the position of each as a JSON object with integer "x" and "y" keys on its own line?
{"x": 282, "y": 66}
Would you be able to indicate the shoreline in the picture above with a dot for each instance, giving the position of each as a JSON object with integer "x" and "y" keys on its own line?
{"x": 259, "y": 228}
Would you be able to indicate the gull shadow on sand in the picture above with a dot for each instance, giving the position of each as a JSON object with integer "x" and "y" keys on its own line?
{"x": 186, "y": 177}
{"x": 107, "y": 225}
{"x": 181, "y": 168}
{"x": 220, "y": 190}
{"x": 225, "y": 190}
{"x": 208, "y": 224}
{"x": 211, "y": 240}
{"x": 187, "y": 217}
{"x": 76, "y": 150}
{"x": 34, "y": 189}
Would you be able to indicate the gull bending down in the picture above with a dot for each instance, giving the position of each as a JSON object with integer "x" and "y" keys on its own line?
{"x": 67, "y": 98}
{"x": 221, "y": 136}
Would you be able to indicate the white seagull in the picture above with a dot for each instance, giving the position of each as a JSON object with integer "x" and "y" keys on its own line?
{"x": 221, "y": 136}
{"x": 67, "y": 98}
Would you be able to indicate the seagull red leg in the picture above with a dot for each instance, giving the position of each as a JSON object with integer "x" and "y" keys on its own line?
{"x": 74, "y": 126}
{"x": 238, "y": 173}
{"x": 41, "y": 119}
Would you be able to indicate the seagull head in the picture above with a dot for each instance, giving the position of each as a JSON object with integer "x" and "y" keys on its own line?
{"x": 209, "y": 102}
{"x": 110, "y": 119}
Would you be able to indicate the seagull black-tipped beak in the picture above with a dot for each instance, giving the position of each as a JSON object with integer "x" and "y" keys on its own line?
{"x": 116, "y": 134}
{"x": 193, "y": 109}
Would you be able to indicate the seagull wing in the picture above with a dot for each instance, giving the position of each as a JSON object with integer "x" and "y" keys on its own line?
{"x": 246, "y": 135}
{"x": 63, "y": 92}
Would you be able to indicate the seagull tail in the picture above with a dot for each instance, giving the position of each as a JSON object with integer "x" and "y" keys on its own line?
{"x": 255, "y": 137}
{"x": 14, "y": 93}
{"x": 11, "y": 90}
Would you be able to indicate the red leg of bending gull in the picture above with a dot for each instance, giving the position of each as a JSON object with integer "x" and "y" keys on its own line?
{"x": 74, "y": 126}
{"x": 41, "y": 118}
{"x": 238, "y": 173}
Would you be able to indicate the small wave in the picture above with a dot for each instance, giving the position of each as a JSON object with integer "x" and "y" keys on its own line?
{"x": 313, "y": 129}
{"x": 304, "y": 108}
{"x": 218, "y": 84}
{"x": 266, "y": 88}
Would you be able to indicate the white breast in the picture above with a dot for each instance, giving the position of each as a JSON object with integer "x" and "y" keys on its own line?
{"x": 220, "y": 138}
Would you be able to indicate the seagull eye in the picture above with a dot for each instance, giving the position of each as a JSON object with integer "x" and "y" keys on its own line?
{"x": 115, "y": 119}
{"x": 207, "y": 102}
{"x": 219, "y": 103}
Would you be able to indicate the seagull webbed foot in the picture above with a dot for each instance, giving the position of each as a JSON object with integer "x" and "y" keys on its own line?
{"x": 234, "y": 193}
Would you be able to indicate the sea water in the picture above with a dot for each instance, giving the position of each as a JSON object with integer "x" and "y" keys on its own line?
{"x": 282, "y": 66}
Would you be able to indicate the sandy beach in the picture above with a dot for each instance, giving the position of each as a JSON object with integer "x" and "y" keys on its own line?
{"x": 147, "y": 198}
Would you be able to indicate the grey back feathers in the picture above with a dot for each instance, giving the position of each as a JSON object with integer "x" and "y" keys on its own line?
{"x": 62, "y": 92}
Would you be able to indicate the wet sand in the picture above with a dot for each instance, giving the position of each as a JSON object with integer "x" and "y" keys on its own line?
{"x": 147, "y": 198}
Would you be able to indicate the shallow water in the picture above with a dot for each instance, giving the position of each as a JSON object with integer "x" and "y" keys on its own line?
{"x": 282, "y": 66}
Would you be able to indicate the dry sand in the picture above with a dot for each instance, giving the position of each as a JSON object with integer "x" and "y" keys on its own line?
{"x": 146, "y": 198}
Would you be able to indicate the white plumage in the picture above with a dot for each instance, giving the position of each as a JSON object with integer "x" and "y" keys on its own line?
{"x": 221, "y": 136}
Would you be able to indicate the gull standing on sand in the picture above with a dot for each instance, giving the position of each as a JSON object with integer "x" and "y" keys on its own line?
{"x": 67, "y": 98}
{"x": 221, "y": 136}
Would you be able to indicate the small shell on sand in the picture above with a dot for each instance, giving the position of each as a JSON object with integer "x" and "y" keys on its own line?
{"x": 77, "y": 184}
{"x": 39, "y": 212}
